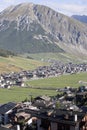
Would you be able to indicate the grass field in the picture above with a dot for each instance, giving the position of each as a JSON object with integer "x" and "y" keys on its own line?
{"x": 61, "y": 81}
{"x": 19, "y": 94}
{"x": 18, "y": 63}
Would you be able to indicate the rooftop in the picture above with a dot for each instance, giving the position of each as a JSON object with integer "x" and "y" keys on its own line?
{"x": 6, "y": 107}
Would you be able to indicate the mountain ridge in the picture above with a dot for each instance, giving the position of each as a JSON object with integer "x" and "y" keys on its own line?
{"x": 81, "y": 18}
{"x": 35, "y": 28}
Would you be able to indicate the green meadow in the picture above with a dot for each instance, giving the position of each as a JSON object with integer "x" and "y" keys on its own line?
{"x": 17, "y": 94}
{"x": 60, "y": 81}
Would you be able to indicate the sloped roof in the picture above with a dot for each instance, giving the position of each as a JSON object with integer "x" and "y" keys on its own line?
{"x": 6, "y": 107}
{"x": 44, "y": 97}
{"x": 58, "y": 115}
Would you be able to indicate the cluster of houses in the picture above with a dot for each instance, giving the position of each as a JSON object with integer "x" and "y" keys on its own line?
{"x": 14, "y": 78}
{"x": 65, "y": 111}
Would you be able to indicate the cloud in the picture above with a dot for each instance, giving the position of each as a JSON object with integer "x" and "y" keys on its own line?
{"x": 74, "y": 9}
{"x": 69, "y": 9}
{"x": 5, "y": 3}
{"x": 64, "y": 6}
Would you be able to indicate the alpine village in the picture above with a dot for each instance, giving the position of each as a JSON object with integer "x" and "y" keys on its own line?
{"x": 43, "y": 69}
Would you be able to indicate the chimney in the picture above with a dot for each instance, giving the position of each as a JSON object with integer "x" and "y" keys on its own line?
{"x": 75, "y": 117}
{"x": 18, "y": 127}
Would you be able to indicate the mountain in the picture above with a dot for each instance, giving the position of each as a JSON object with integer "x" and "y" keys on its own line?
{"x": 30, "y": 28}
{"x": 81, "y": 18}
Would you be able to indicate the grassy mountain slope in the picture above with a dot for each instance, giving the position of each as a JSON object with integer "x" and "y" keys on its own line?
{"x": 24, "y": 41}
{"x": 18, "y": 64}
{"x": 32, "y": 61}
{"x": 63, "y": 57}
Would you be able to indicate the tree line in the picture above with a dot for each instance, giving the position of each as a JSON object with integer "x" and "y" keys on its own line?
{"x": 6, "y": 53}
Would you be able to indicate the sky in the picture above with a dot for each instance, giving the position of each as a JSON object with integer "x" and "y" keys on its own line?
{"x": 67, "y": 7}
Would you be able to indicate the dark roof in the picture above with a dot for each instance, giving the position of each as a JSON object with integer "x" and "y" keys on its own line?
{"x": 6, "y": 107}
{"x": 84, "y": 108}
{"x": 58, "y": 115}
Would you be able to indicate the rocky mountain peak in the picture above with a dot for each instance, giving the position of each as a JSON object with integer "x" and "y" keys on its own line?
{"x": 38, "y": 25}
{"x": 13, "y": 12}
